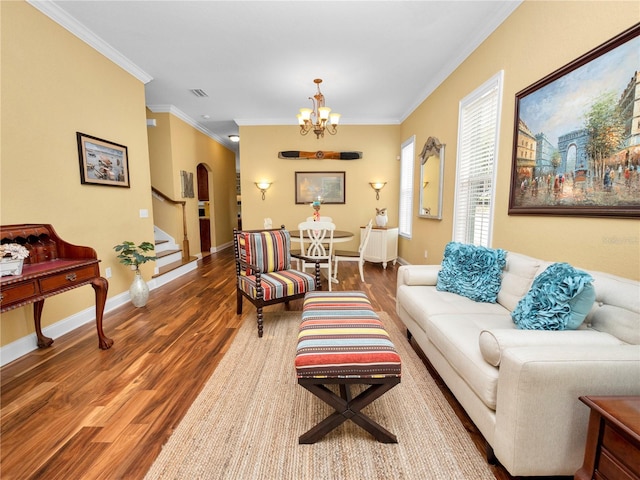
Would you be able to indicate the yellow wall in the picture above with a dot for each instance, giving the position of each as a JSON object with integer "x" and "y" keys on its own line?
{"x": 174, "y": 145}
{"x": 54, "y": 85}
{"x": 166, "y": 216}
{"x": 222, "y": 182}
{"x": 538, "y": 38}
{"x": 259, "y": 147}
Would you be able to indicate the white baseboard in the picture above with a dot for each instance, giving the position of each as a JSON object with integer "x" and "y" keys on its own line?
{"x": 402, "y": 261}
{"x": 221, "y": 247}
{"x": 24, "y": 345}
{"x": 173, "y": 274}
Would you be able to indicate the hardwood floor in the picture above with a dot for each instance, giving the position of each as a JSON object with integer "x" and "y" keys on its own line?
{"x": 73, "y": 411}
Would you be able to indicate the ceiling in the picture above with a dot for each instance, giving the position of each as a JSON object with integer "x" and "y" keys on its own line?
{"x": 256, "y": 60}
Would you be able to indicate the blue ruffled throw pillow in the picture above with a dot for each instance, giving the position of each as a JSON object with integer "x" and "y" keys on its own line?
{"x": 472, "y": 271}
{"x": 559, "y": 299}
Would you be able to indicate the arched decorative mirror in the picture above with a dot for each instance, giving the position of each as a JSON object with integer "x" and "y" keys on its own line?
{"x": 431, "y": 179}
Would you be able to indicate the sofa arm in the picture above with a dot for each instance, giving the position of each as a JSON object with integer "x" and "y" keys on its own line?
{"x": 418, "y": 275}
{"x": 541, "y": 426}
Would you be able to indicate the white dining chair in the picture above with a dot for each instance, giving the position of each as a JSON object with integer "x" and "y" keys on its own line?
{"x": 322, "y": 219}
{"x": 353, "y": 256}
{"x": 316, "y": 243}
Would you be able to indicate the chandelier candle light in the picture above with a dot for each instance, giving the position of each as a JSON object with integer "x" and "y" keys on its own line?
{"x": 319, "y": 118}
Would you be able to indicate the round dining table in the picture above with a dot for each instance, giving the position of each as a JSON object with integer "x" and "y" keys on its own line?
{"x": 338, "y": 235}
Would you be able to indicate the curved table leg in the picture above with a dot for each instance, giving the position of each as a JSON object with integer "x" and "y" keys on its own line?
{"x": 101, "y": 286}
{"x": 43, "y": 342}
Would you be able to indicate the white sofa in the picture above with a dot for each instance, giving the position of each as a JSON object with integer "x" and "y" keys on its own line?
{"x": 521, "y": 387}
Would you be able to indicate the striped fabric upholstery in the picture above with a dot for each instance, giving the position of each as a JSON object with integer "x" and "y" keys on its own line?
{"x": 279, "y": 284}
{"x": 342, "y": 337}
{"x": 269, "y": 251}
{"x": 337, "y": 304}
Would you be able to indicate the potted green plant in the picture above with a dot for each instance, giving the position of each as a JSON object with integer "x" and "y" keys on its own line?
{"x": 133, "y": 256}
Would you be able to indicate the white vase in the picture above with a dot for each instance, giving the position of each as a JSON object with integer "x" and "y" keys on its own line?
{"x": 139, "y": 291}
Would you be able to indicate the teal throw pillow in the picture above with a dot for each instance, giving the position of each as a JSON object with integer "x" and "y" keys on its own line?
{"x": 472, "y": 271}
{"x": 559, "y": 299}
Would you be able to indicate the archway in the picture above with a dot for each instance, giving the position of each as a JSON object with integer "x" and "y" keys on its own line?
{"x": 204, "y": 208}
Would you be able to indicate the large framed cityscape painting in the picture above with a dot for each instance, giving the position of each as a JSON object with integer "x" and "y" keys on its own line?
{"x": 576, "y": 148}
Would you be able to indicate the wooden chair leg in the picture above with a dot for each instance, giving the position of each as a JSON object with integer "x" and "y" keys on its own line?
{"x": 318, "y": 283}
{"x": 259, "y": 322}
{"x": 238, "y": 302}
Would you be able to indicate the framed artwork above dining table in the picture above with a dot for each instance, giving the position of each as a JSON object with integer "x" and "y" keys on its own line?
{"x": 326, "y": 187}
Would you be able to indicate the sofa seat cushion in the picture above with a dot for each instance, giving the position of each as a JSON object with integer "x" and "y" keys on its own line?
{"x": 421, "y": 302}
{"x": 494, "y": 342}
{"x": 277, "y": 284}
{"x": 456, "y": 337}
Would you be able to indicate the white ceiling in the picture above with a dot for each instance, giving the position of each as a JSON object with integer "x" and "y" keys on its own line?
{"x": 256, "y": 60}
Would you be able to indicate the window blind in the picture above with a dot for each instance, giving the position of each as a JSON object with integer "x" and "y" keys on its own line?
{"x": 479, "y": 123}
{"x": 407, "y": 153}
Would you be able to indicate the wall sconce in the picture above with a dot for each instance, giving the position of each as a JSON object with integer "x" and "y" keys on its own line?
{"x": 377, "y": 186}
{"x": 263, "y": 187}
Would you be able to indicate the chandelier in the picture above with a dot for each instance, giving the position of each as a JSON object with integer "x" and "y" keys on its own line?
{"x": 319, "y": 118}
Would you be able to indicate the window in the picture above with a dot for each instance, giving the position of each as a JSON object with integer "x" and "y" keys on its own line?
{"x": 479, "y": 123}
{"x": 406, "y": 187}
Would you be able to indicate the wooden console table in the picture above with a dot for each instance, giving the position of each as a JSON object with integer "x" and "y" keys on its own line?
{"x": 613, "y": 439}
{"x": 53, "y": 266}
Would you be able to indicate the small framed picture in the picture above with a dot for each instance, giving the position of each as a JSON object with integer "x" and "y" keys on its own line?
{"x": 327, "y": 187}
{"x": 102, "y": 162}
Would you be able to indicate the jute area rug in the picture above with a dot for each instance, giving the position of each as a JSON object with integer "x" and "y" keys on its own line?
{"x": 246, "y": 421}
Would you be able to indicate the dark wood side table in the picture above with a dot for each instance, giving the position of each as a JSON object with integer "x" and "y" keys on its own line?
{"x": 613, "y": 439}
{"x": 52, "y": 267}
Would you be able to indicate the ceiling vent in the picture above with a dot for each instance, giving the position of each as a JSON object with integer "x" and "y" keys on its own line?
{"x": 199, "y": 92}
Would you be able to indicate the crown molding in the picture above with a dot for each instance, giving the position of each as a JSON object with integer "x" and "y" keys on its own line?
{"x": 506, "y": 9}
{"x": 257, "y": 122}
{"x": 187, "y": 119}
{"x": 62, "y": 18}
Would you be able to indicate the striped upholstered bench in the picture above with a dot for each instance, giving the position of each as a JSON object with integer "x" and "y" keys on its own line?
{"x": 343, "y": 342}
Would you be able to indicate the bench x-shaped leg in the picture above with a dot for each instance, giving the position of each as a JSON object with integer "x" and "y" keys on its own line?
{"x": 347, "y": 408}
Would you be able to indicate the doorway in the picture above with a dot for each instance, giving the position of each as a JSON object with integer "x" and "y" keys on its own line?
{"x": 204, "y": 209}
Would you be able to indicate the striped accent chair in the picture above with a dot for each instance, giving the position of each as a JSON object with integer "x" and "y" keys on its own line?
{"x": 263, "y": 270}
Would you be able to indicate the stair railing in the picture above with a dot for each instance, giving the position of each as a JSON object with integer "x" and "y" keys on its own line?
{"x": 185, "y": 239}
